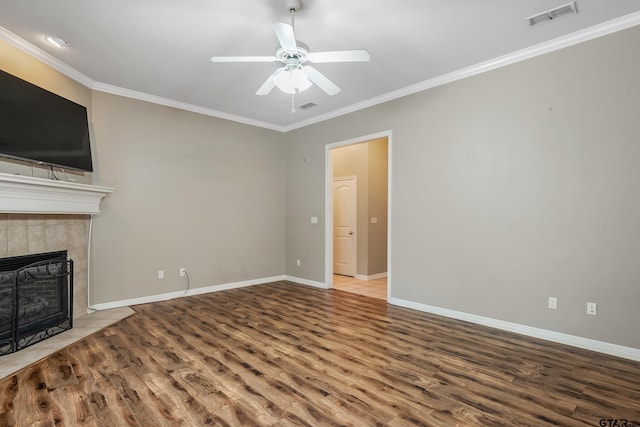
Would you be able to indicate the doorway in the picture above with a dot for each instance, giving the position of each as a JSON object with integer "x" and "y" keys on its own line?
{"x": 357, "y": 249}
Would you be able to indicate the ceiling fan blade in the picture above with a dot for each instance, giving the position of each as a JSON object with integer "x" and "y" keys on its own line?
{"x": 243, "y": 59}
{"x": 284, "y": 33}
{"x": 321, "y": 81}
{"x": 359, "y": 55}
{"x": 268, "y": 85}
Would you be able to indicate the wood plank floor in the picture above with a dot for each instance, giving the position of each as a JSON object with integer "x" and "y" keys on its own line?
{"x": 284, "y": 354}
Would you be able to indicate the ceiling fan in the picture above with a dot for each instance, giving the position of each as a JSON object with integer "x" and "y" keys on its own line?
{"x": 295, "y": 75}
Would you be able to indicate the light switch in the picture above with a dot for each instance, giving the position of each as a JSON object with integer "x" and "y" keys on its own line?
{"x": 374, "y": 220}
{"x": 314, "y": 220}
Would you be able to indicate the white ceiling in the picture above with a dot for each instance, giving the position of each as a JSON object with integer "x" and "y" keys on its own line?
{"x": 162, "y": 48}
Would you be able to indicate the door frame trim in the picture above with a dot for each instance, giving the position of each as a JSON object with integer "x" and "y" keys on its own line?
{"x": 328, "y": 204}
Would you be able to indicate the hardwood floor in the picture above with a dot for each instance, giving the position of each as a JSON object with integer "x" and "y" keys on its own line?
{"x": 284, "y": 354}
{"x": 376, "y": 288}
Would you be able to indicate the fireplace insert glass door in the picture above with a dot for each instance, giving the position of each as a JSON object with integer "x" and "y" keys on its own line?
{"x": 36, "y": 294}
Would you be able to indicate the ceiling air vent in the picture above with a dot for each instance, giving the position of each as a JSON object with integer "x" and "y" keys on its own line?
{"x": 553, "y": 14}
{"x": 307, "y": 106}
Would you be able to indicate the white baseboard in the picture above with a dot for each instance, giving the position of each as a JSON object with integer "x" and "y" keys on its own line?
{"x": 558, "y": 337}
{"x": 371, "y": 277}
{"x": 180, "y": 294}
{"x": 313, "y": 283}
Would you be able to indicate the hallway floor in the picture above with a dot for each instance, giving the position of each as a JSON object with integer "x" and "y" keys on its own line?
{"x": 376, "y": 288}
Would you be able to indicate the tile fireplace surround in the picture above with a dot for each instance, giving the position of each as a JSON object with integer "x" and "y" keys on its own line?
{"x": 40, "y": 215}
{"x": 25, "y": 234}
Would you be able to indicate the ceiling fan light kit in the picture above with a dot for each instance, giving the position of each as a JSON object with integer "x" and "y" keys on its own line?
{"x": 294, "y": 76}
{"x": 291, "y": 80}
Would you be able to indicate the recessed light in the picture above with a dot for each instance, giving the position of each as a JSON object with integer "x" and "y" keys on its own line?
{"x": 57, "y": 41}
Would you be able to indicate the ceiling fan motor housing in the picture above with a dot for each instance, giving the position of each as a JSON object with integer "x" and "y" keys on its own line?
{"x": 294, "y": 5}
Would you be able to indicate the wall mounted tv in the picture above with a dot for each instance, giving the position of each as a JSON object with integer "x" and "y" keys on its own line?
{"x": 39, "y": 126}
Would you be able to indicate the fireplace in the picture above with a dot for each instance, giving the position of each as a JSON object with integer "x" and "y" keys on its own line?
{"x": 36, "y": 299}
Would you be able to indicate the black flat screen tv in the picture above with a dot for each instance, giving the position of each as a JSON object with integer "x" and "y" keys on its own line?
{"x": 39, "y": 126}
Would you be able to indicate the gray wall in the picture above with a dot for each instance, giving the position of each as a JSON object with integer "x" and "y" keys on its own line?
{"x": 191, "y": 191}
{"x": 378, "y": 205}
{"x": 508, "y": 187}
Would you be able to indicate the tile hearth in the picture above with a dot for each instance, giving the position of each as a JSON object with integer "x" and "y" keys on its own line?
{"x": 83, "y": 326}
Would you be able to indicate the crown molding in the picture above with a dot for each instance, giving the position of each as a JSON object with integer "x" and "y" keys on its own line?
{"x": 44, "y": 57}
{"x": 141, "y": 96}
{"x": 549, "y": 46}
{"x": 577, "y": 37}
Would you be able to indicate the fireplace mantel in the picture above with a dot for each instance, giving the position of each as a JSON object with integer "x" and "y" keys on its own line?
{"x": 26, "y": 194}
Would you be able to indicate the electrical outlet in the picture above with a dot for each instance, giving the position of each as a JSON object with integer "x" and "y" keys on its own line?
{"x": 553, "y": 303}
{"x": 298, "y": 262}
{"x": 160, "y": 274}
{"x": 183, "y": 271}
{"x": 592, "y": 308}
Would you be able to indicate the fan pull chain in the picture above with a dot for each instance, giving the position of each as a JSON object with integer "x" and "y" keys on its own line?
{"x": 293, "y": 105}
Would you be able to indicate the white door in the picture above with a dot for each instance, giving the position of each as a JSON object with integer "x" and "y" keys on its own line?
{"x": 344, "y": 226}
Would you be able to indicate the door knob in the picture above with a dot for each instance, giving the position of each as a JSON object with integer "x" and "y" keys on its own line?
{"x": 351, "y": 232}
